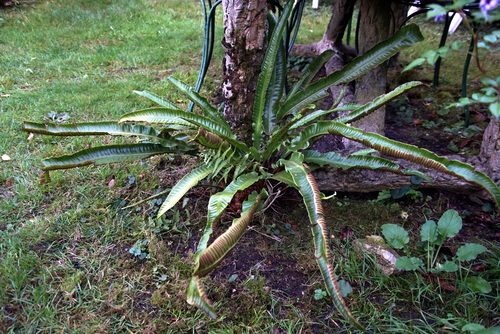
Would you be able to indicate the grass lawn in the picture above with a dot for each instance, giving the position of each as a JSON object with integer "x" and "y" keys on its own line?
{"x": 72, "y": 260}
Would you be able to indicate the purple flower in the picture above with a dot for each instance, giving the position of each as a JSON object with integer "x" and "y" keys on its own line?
{"x": 486, "y": 6}
{"x": 439, "y": 18}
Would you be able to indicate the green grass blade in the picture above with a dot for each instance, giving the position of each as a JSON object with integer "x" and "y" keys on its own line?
{"x": 308, "y": 188}
{"x": 181, "y": 188}
{"x": 417, "y": 155}
{"x": 105, "y": 154}
{"x": 405, "y": 37}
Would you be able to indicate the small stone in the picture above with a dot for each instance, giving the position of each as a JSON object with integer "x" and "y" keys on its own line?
{"x": 385, "y": 256}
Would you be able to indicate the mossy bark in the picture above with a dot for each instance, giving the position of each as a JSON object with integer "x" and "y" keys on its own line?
{"x": 245, "y": 29}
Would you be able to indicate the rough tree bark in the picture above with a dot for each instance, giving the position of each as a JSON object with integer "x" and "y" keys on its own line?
{"x": 375, "y": 27}
{"x": 245, "y": 28}
{"x": 489, "y": 158}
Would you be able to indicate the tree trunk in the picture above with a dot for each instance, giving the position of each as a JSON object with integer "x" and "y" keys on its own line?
{"x": 332, "y": 38}
{"x": 490, "y": 150}
{"x": 245, "y": 28}
{"x": 375, "y": 17}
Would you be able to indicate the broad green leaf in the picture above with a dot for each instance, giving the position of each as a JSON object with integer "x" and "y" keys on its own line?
{"x": 158, "y": 100}
{"x": 413, "y": 64}
{"x": 417, "y": 155}
{"x": 377, "y": 103}
{"x": 266, "y": 73}
{"x": 405, "y": 37}
{"x": 470, "y": 251}
{"x": 213, "y": 254}
{"x": 285, "y": 177}
{"x": 181, "y": 188}
{"x": 494, "y": 108}
{"x": 448, "y": 266}
{"x": 104, "y": 155}
{"x": 345, "y": 288}
{"x": 472, "y": 327}
{"x": 308, "y": 188}
{"x": 395, "y": 235}
{"x": 409, "y": 263}
{"x": 449, "y": 224}
{"x": 219, "y": 202}
{"x": 478, "y": 284}
{"x": 428, "y": 231}
{"x": 278, "y": 139}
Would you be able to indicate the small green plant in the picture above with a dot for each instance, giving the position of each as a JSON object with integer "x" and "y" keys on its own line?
{"x": 319, "y": 294}
{"x": 433, "y": 236}
{"x": 139, "y": 249}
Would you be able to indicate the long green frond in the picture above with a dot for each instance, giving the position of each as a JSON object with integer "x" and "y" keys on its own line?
{"x": 213, "y": 255}
{"x": 156, "y": 115}
{"x": 91, "y": 128}
{"x": 105, "y": 154}
{"x": 181, "y": 188}
{"x": 110, "y": 128}
{"x": 405, "y": 37}
{"x": 321, "y": 113}
{"x": 219, "y": 202}
{"x": 308, "y": 188}
{"x": 155, "y": 98}
{"x": 303, "y": 139}
{"x": 276, "y": 87}
{"x": 208, "y": 110}
{"x": 196, "y": 296}
{"x": 310, "y": 71}
{"x": 377, "y": 103}
{"x": 417, "y": 155}
{"x": 165, "y": 115}
{"x": 266, "y": 75}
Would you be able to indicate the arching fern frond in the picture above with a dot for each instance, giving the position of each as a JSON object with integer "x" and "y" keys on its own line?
{"x": 418, "y": 155}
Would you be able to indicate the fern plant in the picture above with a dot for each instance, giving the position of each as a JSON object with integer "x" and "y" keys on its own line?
{"x": 284, "y": 127}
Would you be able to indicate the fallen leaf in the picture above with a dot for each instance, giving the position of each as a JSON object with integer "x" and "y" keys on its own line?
{"x": 5, "y": 157}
